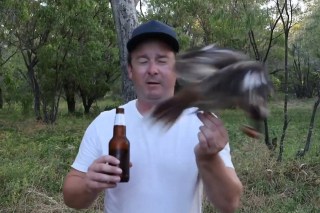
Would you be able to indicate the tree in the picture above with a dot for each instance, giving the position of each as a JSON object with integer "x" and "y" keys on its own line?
{"x": 125, "y": 18}
{"x": 31, "y": 30}
{"x": 286, "y": 17}
{"x": 53, "y": 40}
{"x": 304, "y": 41}
{"x": 302, "y": 152}
{"x": 3, "y": 46}
{"x": 303, "y": 78}
{"x": 90, "y": 73}
{"x": 261, "y": 41}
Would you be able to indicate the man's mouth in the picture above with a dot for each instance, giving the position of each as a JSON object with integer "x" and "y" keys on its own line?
{"x": 153, "y": 83}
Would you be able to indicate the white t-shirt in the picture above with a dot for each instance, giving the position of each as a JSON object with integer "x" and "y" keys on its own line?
{"x": 164, "y": 176}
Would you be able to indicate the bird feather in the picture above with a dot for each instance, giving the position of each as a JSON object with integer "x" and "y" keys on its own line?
{"x": 217, "y": 78}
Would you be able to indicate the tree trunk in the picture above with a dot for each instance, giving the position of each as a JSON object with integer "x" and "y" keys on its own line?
{"x": 1, "y": 99}
{"x": 87, "y": 101}
{"x": 285, "y": 10}
{"x": 125, "y": 18}
{"x": 69, "y": 90}
{"x": 36, "y": 92}
{"x": 266, "y": 135}
{"x": 311, "y": 126}
{"x": 314, "y": 111}
{"x": 37, "y": 102}
{"x": 50, "y": 105}
{"x": 286, "y": 95}
{"x": 71, "y": 102}
{"x": 31, "y": 61}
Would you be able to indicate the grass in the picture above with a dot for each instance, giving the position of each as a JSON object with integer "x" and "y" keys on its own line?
{"x": 35, "y": 158}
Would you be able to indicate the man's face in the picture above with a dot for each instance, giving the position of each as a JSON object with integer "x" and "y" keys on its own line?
{"x": 152, "y": 71}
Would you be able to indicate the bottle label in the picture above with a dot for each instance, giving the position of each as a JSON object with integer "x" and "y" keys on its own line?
{"x": 119, "y": 120}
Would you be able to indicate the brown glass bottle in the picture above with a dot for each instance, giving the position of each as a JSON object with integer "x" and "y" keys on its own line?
{"x": 119, "y": 145}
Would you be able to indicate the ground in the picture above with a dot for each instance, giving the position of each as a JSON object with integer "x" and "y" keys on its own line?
{"x": 35, "y": 158}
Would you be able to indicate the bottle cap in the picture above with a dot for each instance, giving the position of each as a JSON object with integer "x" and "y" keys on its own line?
{"x": 119, "y": 110}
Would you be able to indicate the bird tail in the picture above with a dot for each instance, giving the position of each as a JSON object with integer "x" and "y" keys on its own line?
{"x": 169, "y": 110}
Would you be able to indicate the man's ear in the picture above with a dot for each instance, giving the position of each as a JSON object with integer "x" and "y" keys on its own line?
{"x": 129, "y": 69}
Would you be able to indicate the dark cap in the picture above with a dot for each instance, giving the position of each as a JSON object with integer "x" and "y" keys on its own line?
{"x": 153, "y": 29}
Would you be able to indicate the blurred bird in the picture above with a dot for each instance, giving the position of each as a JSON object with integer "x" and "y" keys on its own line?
{"x": 214, "y": 78}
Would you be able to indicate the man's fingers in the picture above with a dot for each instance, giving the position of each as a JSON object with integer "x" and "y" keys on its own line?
{"x": 103, "y": 178}
{"x": 213, "y": 118}
{"x": 108, "y": 159}
{"x": 202, "y": 140}
{"x": 103, "y": 173}
{"x": 102, "y": 167}
{"x": 208, "y": 134}
{"x": 212, "y": 136}
{"x": 102, "y": 185}
{"x": 105, "y": 168}
{"x": 209, "y": 120}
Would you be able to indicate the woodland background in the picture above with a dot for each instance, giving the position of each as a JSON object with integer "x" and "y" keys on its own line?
{"x": 63, "y": 62}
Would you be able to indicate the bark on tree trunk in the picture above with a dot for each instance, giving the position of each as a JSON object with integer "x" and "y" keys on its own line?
{"x": 311, "y": 126}
{"x": 287, "y": 24}
{"x": 69, "y": 90}
{"x": 31, "y": 61}
{"x": 71, "y": 102}
{"x": 37, "y": 102}
{"x": 1, "y": 99}
{"x": 286, "y": 95}
{"x": 314, "y": 111}
{"x": 36, "y": 92}
{"x": 86, "y": 101}
{"x": 125, "y": 18}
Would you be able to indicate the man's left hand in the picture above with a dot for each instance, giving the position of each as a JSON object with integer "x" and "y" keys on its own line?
{"x": 213, "y": 136}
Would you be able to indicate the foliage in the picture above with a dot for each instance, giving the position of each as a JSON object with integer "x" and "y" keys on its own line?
{"x": 70, "y": 49}
{"x": 54, "y": 40}
{"x": 15, "y": 87}
{"x": 306, "y": 53}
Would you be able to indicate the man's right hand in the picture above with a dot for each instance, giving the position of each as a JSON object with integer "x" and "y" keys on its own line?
{"x": 103, "y": 173}
{"x": 81, "y": 189}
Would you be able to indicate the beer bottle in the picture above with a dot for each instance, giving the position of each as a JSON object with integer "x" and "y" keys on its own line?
{"x": 119, "y": 145}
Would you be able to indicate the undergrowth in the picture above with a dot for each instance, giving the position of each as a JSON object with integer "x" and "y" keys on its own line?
{"x": 35, "y": 158}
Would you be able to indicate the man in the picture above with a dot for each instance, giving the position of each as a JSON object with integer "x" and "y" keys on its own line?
{"x": 169, "y": 168}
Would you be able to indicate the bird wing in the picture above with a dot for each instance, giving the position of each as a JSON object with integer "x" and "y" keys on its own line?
{"x": 196, "y": 65}
{"x": 244, "y": 84}
{"x": 217, "y": 78}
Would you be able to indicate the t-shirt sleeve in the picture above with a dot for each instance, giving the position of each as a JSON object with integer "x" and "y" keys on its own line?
{"x": 226, "y": 156}
{"x": 89, "y": 149}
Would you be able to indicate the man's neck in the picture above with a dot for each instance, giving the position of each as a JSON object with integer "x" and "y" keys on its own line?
{"x": 145, "y": 107}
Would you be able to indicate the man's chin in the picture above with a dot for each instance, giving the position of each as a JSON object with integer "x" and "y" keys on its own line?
{"x": 158, "y": 97}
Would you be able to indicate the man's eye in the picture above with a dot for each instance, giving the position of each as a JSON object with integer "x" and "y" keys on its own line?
{"x": 163, "y": 61}
{"x": 142, "y": 61}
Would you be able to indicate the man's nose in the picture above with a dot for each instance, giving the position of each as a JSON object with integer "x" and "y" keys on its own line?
{"x": 153, "y": 68}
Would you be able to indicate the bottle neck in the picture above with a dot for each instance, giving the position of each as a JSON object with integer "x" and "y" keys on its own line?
{"x": 119, "y": 130}
{"x": 119, "y": 127}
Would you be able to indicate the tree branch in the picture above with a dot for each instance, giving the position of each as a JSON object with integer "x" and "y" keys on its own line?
{"x": 254, "y": 44}
{"x": 272, "y": 27}
{"x": 5, "y": 61}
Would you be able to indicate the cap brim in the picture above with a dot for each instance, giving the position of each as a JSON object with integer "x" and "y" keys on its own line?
{"x": 171, "y": 41}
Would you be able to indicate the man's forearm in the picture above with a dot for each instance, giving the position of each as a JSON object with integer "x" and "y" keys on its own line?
{"x": 221, "y": 184}
{"x": 76, "y": 194}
